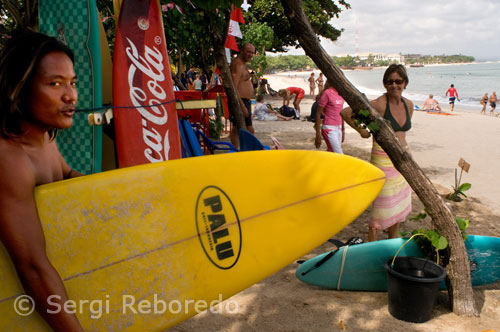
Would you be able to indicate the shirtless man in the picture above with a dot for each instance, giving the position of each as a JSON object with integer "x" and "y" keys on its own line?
{"x": 37, "y": 98}
{"x": 493, "y": 102}
{"x": 244, "y": 89}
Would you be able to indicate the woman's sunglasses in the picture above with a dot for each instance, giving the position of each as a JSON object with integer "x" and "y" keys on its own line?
{"x": 390, "y": 82}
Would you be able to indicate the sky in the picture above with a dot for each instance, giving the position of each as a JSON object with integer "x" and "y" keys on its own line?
{"x": 429, "y": 27}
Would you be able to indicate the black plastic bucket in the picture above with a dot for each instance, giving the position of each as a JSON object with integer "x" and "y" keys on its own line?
{"x": 412, "y": 287}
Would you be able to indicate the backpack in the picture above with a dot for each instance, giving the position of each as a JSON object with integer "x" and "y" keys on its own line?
{"x": 288, "y": 111}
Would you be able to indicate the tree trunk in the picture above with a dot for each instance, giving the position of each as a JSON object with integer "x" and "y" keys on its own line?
{"x": 460, "y": 288}
{"x": 178, "y": 82}
{"x": 218, "y": 40}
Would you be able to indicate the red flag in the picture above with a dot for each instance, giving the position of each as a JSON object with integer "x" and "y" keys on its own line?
{"x": 231, "y": 43}
{"x": 237, "y": 15}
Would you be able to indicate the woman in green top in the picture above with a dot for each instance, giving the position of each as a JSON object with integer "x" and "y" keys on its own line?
{"x": 393, "y": 204}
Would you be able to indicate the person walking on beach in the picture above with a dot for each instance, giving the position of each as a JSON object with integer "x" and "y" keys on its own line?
{"x": 393, "y": 204}
{"x": 493, "y": 102}
{"x": 320, "y": 82}
{"x": 312, "y": 84}
{"x": 288, "y": 93}
{"x": 37, "y": 98}
{"x": 244, "y": 89}
{"x": 484, "y": 102}
{"x": 453, "y": 95}
{"x": 330, "y": 104}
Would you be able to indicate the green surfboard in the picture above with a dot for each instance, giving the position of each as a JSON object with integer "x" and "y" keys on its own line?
{"x": 360, "y": 267}
{"x": 75, "y": 23}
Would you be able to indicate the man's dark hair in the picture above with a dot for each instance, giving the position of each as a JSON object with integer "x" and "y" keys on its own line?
{"x": 19, "y": 61}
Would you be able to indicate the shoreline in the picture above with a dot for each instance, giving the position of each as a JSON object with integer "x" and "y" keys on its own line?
{"x": 283, "y": 80}
{"x": 282, "y": 303}
{"x": 437, "y": 142}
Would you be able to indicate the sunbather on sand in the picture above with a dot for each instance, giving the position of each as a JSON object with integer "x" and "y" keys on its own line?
{"x": 431, "y": 104}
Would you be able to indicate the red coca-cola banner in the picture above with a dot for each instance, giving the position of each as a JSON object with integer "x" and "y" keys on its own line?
{"x": 147, "y": 131}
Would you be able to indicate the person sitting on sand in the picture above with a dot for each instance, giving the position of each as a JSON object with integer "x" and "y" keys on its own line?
{"x": 314, "y": 109}
{"x": 393, "y": 204}
{"x": 265, "y": 113}
{"x": 431, "y": 104}
{"x": 493, "y": 102}
{"x": 287, "y": 94}
{"x": 484, "y": 102}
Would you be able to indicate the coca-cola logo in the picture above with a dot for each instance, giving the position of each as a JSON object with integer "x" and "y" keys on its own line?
{"x": 143, "y": 23}
{"x": 150, "y": 65}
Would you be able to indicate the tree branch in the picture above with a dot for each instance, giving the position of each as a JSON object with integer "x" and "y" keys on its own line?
{"x": 219, "y": 39}
{"x": 460, "y": 289}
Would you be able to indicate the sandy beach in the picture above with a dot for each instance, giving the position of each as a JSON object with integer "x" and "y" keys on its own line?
{"x": 283, "y": 303}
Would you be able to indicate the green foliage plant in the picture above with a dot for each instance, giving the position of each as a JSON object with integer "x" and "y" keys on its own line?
{"x": 215, "y": 128}
{"x": 319, "y": 13}
{"x": 458, "y": 189}
{"x": 433, "y": 244}
{"x": 363, "y": 119}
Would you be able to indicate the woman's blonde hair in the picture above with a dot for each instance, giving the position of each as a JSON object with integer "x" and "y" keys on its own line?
{"x": 282, "y": 92}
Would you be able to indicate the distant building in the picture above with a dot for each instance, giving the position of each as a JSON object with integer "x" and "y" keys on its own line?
{"x": 409, "y": 57}
{"x": 363, "y": 56}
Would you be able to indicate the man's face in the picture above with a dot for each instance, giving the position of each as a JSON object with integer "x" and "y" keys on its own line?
{"x": 52, "y": 96}
{"x": 247, "y": 53}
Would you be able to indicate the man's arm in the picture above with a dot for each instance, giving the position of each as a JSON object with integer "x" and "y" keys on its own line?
{"x": 236, "y": 73}
{"x": 68, "y": 172}
{"x": 22, "y": 235}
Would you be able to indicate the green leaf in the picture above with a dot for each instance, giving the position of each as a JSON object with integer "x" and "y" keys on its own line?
{"x": 464, "y": 187}
{"x": 373, "y": 126}
{"x": 365, "y": 113}
{"x": 462, "y": 223}
{"x": 420, "y": 216}
{"x": 442, "y": 243}
{"x": 433, "y": 236}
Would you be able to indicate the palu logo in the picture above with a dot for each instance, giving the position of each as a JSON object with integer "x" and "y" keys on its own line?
{"x": 218, "y": 227}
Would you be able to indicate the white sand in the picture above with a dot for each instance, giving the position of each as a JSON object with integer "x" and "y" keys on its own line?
{"x": 283, "y": 303}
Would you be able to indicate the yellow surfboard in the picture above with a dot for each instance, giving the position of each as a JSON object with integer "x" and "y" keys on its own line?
{"x": 145, "y": 247}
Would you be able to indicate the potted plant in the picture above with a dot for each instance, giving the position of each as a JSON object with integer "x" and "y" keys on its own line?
{"x": 433, "y": 244}
{"x": 413, "y": 283}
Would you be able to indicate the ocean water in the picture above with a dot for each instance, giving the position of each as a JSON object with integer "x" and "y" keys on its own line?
{"x": 472, "y": 81}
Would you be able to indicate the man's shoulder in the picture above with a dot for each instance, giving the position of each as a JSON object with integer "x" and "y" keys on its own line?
{"x": 237, "y": 63}
{"x": 10, "y": 150}
{"x": 14, "y": 160}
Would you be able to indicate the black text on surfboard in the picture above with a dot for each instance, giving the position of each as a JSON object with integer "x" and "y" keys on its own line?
{"x": 218, "y": 227}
